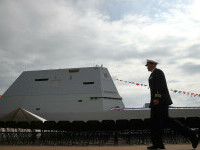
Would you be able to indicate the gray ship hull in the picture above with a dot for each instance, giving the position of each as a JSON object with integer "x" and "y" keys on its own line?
{"x": 116, "y": 115}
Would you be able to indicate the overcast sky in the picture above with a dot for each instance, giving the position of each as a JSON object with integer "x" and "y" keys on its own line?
{"x": 120, "y": 34}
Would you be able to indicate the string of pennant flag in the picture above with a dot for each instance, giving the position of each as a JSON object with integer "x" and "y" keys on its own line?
{"x": 172, "y": 90}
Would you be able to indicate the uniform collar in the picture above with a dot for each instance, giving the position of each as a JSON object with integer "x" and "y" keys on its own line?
{"x": 153, "y": 70}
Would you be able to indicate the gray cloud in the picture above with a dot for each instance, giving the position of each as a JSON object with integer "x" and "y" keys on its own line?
{"x": 194, "y": 51}
{"x": 191, "y": 68}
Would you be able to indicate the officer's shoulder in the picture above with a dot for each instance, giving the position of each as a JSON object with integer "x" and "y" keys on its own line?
{"x": 159, "y": 71}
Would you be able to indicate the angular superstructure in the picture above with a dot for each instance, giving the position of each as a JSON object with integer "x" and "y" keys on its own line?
{"x": 61, "y": 91}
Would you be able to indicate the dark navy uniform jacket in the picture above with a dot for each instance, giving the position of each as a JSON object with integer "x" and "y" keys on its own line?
{"x": 158, "y": 88}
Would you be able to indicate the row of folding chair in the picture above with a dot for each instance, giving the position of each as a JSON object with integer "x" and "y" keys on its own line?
{"x": 93, "y": 132}
{"x": 123, "y": 124}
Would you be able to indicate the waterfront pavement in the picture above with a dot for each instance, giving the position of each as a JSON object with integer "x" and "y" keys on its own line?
{"x": 132, "y": 147}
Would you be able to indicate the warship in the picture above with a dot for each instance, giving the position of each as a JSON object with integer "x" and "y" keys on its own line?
{"x": 75, "y": 94}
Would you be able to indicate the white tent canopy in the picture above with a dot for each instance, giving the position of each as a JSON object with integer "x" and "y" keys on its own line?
{"x": 21, "y": 114}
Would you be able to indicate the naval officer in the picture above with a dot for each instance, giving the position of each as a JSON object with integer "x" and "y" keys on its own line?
{"x": 159, "y": 104}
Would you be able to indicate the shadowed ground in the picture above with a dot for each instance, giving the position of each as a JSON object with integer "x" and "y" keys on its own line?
{"x": 133, "y": 147}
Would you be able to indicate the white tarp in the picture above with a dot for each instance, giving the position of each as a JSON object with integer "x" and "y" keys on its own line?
{"x": 21, "y": 114}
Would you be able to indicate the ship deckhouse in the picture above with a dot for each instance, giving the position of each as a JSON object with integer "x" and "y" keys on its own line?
{"x": 61, "y": 91}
